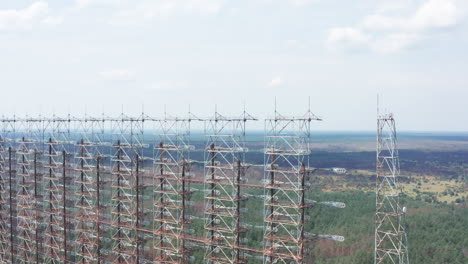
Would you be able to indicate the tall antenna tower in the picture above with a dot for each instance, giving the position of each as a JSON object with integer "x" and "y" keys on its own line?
{"x": 126, "y": 188}
{"x": 63, "y": 200}
{"x": 285, "y": 177}
{"x": 172, "y": 190}
{"x": 56, "y": 178}
{"x": 29, "y": 190}
{"x": 3, "y": 199}
{"x": 7, "y": 189}
{"x": 224, "y": 174}
{"x": 88, "y": 168}
{"x": 390, "y": 236}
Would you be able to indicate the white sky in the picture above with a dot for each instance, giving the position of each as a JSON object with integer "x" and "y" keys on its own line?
{"x": 58, "y": 56}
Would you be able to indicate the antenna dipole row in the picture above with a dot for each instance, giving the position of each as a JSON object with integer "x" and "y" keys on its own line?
{"x": 119, "y": 189}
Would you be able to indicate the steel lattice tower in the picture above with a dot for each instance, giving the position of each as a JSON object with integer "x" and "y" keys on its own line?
{"x": 64, "y": 201}
{"x": 126, "y": 188}
{"x": 56, "y": 178}
{"x": 172, "y": 190}
{"x": 7, "y": 189}
{"x": 4, "y": 239}
{"x": 224, "y": 173}
{"x": 285, "y": 173}
{"x": 390, "y": 235}
{"x": 29, "y": 196}
{"x": 89, "y": 161}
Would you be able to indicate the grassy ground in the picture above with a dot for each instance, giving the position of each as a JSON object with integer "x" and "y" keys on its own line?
{"x": 444, "y": 190}
{"x": 421, "y": 187}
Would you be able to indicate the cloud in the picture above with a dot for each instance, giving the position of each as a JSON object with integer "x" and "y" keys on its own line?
{"x": 383, "y": 32}
{"x": 84, "y": 3}
{"x": 302, "y": 2}
{"x": 148, "y": 10}
{"x": 117, "y": 75}
{"x": 52, "y": 21}
{"x": 90, "y": 3}
{"x": 277, "y": 81}
{"x": 292, "y": 42}
{"x": 346, "y": 38}
{"x": 394, "y": 42}
{"x": 436, "y": 14}
{"x": 433, "y": 14}
{"x": 296, "y": 3}
{"x": 166, "y": 86}
{"x": 28, "y": 18}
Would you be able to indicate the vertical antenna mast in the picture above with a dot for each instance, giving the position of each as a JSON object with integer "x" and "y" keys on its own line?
{"x": 27, "y": 192}
{"x": 390, "y": 235}
{"x": 87, "y": 160}
{"x": 171, "y": 189}
{"x": 286, "y": 155}
{"x": 224, "y": 173}
{"x": 378, "y": 104}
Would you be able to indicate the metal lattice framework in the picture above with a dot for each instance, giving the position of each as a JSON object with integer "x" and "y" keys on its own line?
{"x": 89, "y": 165}
{"x": 4, "y": 239}
{"x": 285, "y": 174}
{"x": 224, "y": 174}
{"x": 390, "y": 235}
{"x": 126, "y": 176}
{"x": 7, "y": 189}
{"x": 29, "y": 198}
{"x": 91, "y": 190}
{"x": 57, "y": 175}
{"x": 172, "y": 190}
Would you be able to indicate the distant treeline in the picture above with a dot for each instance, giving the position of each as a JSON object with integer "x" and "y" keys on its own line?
{"x": 444, "y": 164}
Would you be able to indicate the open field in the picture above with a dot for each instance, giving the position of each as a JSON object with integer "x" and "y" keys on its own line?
{"x": 428, "y": 188}
{"x": 365, "y": 141}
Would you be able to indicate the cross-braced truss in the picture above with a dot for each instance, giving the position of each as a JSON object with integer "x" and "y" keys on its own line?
{"x": 57, "y": 170}
{"x": 286, "y": 168}
{"x": 7, "y": 189}
{"x": 4, "y": 239}
{"x": 224, "y": 173}
{"x": 75, "y": 190}
{"x": 89, "y": 161}
{"x": 172, "y": 190}
{"x": 390, "y": 235}
{"x": 126, "y": 177}
{"x": 29, "y": 202}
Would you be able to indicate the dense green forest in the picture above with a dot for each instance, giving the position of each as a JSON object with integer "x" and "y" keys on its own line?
{"x": 436, "y": 233}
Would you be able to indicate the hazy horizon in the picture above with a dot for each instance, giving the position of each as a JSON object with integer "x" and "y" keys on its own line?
{"x": 99, "y": 56}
